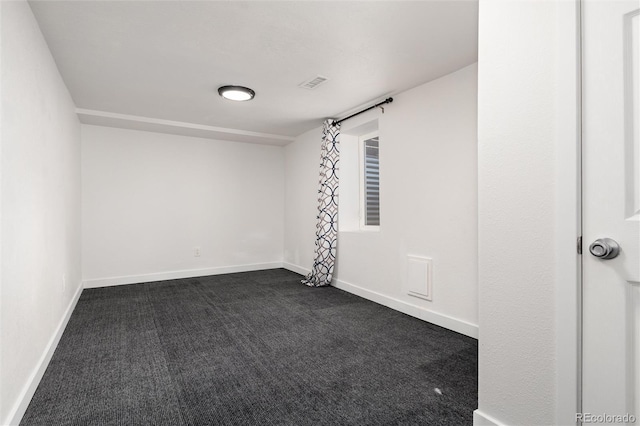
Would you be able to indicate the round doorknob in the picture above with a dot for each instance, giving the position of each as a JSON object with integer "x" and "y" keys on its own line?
{"x": 604, "y": 248}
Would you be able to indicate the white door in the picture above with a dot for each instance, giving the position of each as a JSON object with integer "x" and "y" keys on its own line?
{"x": 611, "y": 209}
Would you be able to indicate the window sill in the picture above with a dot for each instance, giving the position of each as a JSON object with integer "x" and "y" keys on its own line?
{"x": 367, "y": 230}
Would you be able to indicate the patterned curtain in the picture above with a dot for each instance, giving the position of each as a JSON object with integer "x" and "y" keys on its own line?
{"x": 327, "y": 226}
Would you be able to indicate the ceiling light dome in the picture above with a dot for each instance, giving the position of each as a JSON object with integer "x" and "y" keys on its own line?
{"x": 236, "y": 93}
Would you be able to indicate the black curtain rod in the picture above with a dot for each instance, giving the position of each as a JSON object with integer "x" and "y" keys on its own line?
{"x": 386, "y": 101}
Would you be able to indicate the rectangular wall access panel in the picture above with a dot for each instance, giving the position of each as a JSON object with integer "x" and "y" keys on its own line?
{"x": 419, "y": 273}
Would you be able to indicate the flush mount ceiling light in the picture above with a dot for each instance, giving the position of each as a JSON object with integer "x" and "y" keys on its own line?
{"x": 236, "y": 93}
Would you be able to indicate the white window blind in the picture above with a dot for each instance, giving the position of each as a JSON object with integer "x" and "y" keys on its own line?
{"x": 371, "y": 182}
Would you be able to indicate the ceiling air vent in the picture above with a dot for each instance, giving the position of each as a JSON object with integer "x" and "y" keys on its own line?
{"x": 313, "y": 83}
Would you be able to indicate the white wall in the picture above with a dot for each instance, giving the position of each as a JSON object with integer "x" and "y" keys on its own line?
{"x": 40, "y": 208}
{"x": 428, "y": 203}
{"x": 528, "y": 212}
{"x": 148, "y": 199}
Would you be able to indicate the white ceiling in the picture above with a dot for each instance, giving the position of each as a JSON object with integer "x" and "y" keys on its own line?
{"x": 162, "y": 61}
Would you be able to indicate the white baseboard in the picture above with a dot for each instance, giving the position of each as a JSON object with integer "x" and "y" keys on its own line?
{"x": 419, "y": 312}
{"x": 18, "y": 410}
{"x": 173, "y": 275}
{"x": 482, "y": 419}
{"x": 295, "y": 268}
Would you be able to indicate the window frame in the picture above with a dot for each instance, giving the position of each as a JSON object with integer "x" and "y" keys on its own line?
{"x": 361, "y": 156}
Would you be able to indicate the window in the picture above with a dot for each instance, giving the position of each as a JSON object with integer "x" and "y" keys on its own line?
{"x": 359, "y": 178}
{"x": 370, "y": 187}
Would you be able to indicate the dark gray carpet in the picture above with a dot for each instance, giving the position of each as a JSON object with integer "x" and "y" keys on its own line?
{"x": 254, "y": 348}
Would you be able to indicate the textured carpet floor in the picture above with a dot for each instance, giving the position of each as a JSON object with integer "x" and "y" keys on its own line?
{"x": 254, "y": 348}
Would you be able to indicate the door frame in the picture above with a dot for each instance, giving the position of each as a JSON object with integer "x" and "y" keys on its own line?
{"x": 568, "y": 214}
